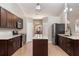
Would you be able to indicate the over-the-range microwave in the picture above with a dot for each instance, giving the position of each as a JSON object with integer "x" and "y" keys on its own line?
{"x": 19, "y": 24}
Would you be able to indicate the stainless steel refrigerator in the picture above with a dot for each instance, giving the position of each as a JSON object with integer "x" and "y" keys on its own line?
{"x": 57, "y": 29}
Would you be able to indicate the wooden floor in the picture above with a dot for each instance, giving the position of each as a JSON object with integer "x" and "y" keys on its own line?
{"x": 53, "y": 50}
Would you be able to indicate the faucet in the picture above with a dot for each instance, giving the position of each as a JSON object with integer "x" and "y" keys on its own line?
{"x": 70, "y": 32}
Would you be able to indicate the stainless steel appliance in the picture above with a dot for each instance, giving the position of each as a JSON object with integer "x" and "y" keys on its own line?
{"x": 19, "y": 24}
{"x": 23, "y": 39}
{"x": 57, "y": 29}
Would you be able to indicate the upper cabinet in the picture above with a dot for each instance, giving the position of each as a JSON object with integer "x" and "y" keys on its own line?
{"x": 9, "y": 24}
{"x": 9, "y": 20}
{"x": 3, "y": 18}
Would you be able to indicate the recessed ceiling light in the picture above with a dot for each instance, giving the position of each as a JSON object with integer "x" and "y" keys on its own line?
{"x": 65, "y": 9}
{"x": 70, "y": 9}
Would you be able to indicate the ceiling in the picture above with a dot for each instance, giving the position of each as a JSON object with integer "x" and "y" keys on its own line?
{"x": 74, "y": 14}
{"x": 47, "y": 9}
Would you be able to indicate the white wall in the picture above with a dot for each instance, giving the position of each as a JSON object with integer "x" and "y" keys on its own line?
{"x": 13, "y": 7}
{"x": 62, "y": 17}
{"x": 29, "y": 29}
{"x": 47, "y": 26}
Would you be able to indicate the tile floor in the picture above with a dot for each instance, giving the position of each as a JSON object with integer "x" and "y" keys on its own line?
{"x": 53, "y": 50}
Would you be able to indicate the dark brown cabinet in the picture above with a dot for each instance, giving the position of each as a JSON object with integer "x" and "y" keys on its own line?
{"x": 8, "y": 19}
{"x": 3, "y": 18}
{"x": 66, "y": 45}
{"x": 11, "y": 20}
{"x": 3, "y": 48}
{"x": 15, "y": 21}
{"x": 40, "y": 47}
{"x": 70, "y": 46}
{"x": 8, "y": 47}
{"x": 13, "y": 45}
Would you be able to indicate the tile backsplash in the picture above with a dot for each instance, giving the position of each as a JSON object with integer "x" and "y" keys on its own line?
{"x": 5, "y": 33}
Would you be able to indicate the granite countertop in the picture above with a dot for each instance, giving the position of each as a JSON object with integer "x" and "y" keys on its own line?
{"x": 40, "y": 37}
{"x": 74, "y": 37}
{"x": 8, "y": 37}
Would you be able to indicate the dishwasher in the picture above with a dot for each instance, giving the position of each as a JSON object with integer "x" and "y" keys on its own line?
{"x": 23, "y": 39}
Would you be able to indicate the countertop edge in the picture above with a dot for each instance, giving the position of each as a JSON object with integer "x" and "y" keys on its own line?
{"x": 70, "y": 37}
{"x": 9, "y": 37}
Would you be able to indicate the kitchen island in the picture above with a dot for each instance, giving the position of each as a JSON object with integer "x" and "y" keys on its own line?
{"x": 40, "y": 46}
{"x": 70, "y": 44}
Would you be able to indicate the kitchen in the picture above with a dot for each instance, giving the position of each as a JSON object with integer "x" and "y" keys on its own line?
{"x": 21, "y": 24}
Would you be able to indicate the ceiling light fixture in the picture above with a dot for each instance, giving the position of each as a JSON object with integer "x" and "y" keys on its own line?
{"x": 66, "y": 9}
{"x": 38, "y": 6}
{"x": 70, "y": 9}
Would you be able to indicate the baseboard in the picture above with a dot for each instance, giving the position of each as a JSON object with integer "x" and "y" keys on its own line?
{"x": 49, "y": 41}
{"x": 29, "y": 42}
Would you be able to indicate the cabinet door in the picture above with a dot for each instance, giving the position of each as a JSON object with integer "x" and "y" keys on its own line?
{"x": 60, "y": 41}
{"x": 14, "y": 21}
{"x": 69, "y": 46}
{"x": 66, "y": 44}
{"x": 17, "y": 39}
{"x": 3, "y": 48}
{"x": 11, "y": 18}
{"x": 11, "y": 21}
{"x": 8, "y": 19}
{"x": 11, "y": 46}
{"x": 3, "y": 18}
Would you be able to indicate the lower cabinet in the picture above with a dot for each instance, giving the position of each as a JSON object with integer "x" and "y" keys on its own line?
{"x": 3, "y": 48}
{"x": 70, "y": 46}
{"x": 40, "y": 47}
{"x": 8, "y": 47}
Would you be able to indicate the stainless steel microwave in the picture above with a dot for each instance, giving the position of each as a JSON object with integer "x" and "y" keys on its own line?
{"x": 19, "y": 24}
